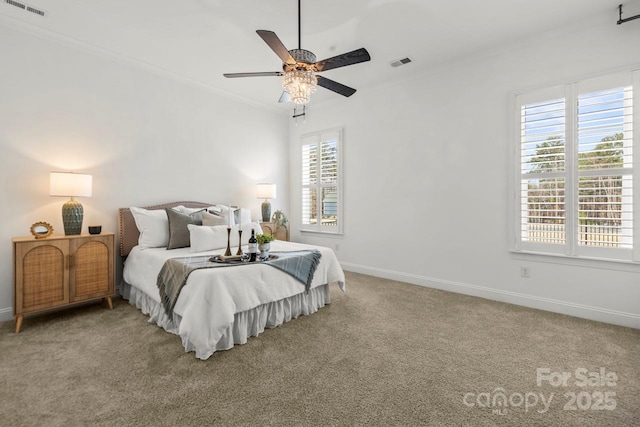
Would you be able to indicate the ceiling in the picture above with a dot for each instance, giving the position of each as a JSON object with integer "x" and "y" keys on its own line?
{"x": 199, "y": 40}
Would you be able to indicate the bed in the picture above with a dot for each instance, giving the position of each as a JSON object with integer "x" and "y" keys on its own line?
{"x": 219, "y": 307}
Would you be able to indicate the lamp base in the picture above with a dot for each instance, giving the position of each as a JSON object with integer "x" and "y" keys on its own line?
{"x": 266, "y": 211}
{"x": 72, "y": 214}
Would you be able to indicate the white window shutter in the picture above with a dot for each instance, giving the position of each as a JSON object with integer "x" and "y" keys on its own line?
{"x": 576, "y": 169}
{"x": 321, "y": 182}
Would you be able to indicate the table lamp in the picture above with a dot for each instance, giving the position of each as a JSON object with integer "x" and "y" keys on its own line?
{"x": 70, "y": 185}
{"x": 266, "y": 192}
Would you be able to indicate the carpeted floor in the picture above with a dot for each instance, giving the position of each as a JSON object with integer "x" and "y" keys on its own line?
{"x": 384, "y": 353}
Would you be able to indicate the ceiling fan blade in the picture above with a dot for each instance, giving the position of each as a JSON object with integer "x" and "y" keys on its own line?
{"x": 264, "y": 74}
{"x": 285, "y": 97}
{"x": 277, "y": 46}
{"x": 350, "y": 58}
{"x": 335, "y": 86}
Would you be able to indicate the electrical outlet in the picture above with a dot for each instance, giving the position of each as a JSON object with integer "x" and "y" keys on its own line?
{"x": 337, "y": 246}
{"x": 525, "y": 272}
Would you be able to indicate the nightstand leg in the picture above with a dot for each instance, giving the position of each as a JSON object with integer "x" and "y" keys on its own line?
{"x": 110, "y": 303}
{"x": 18, "y": 323}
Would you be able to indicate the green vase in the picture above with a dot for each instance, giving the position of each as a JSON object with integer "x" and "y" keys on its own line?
{"x": 266, "y": 211}
{"x": 72, "y": 214}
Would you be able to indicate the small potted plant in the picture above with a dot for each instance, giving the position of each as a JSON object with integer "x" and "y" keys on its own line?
{"x": 264, "y": 244}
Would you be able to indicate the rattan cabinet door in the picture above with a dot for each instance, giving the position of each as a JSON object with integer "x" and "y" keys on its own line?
{"x": 280, "y": 233}
{"x": 91, "y": 268}
{"x": 41, "y": 275}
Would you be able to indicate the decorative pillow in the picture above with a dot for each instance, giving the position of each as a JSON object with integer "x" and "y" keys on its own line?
{"x": 244, "y": 213}
{"x": 195, "y": 213}
{"x": 178, "y": 231}
{"x": 213, "y": 219}
{"x": 216, "y": 210}
{"x": 206, "y": 238}
{"x": 225, "y": 212}
{"x": 153, "y": 226}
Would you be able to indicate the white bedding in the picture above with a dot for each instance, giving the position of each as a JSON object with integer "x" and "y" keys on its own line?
{"x": 212, "y": 297}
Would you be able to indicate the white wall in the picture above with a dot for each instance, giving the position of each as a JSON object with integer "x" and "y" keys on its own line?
{"x": 425, "y": 160}
{"x": 426, "y": 176}
{"x": 146, "y": 138}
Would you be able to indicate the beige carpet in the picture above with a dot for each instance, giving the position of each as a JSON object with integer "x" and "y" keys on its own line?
{"x": 384, "y": 353}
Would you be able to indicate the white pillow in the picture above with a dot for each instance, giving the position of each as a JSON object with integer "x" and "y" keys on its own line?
{"x": 153, "y": 226}
{"x": 216, "y": 209}
{"x": 206, "y": 238}
{"x": 195, "y": 213}
{"x": 188, "y": 211}
{"x": 223, "y": 211}
{"x": 211, "y": 219}
{"x": 245, "y": 214}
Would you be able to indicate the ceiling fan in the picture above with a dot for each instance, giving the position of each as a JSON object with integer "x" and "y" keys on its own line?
{"x": 299, "y": 68}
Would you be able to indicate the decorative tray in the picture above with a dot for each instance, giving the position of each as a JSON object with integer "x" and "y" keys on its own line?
{"x": 239, "y": 259}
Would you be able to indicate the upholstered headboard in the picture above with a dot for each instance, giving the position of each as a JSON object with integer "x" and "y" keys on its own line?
{"x": 127, "y": 226}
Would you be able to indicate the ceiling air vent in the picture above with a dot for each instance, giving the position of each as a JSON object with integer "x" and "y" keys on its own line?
{"x": 16, "y": 4}
{"x": 34, "y": 10}
{"x": 25, "y": 7}
{"x": 400, "y": 62}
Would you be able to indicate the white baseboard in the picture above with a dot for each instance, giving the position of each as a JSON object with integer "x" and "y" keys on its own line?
{"x": 630, "y": 320}
{"x": 6, "y": 314}
{"x": 578, "y": 310}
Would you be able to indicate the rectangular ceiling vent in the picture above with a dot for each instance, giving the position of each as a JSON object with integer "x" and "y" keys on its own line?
{"x": 25, "y": 7}
{"x": 400, "y": 62}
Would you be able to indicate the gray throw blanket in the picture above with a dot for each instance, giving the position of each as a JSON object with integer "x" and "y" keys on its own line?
{"x": 174, "y": 273}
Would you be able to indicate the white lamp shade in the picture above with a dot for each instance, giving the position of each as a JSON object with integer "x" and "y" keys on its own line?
{"x": 266, "y": 191}
{"x": 70, "y": 184}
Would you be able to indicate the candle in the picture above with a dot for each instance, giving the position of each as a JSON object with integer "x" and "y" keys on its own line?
{"x": 239, "y": 218}
{"x": 229, "y": 212}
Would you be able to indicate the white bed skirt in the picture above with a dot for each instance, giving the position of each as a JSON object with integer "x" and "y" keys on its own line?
{"x": 246, "y": 324}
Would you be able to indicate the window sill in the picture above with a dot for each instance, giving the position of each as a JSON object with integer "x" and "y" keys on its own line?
{"x": 597, "y": 263}
{"x": 322, "y": 233}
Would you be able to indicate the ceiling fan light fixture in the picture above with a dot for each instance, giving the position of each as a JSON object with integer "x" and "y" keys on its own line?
{"x": 299, "y": 68}
{"x": 299, "y": 84}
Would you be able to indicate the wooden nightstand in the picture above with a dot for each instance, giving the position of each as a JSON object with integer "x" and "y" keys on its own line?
{"x": 280, "y": 233}
{"x": 61, "y": 270}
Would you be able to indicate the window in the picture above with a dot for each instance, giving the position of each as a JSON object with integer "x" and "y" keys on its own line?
{"x": 321, "y": 182}
{"x": 576, "y": 173}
